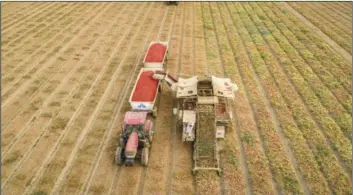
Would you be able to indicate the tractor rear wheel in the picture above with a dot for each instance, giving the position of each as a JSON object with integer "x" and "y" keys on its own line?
{"x": 150, "y": 135}
{"x": 144, "y": 156}
{"x": 119, "y": 156}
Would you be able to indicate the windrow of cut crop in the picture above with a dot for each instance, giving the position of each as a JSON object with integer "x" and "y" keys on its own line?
{"x": 259, "y": 170}
{"x": 279, "y": 161}
{"x": 322, "y": 116}
{"x": 181, "y": 179}
{"x": 334, "y": 19}
{"x": 329, "y": 30}
{"x": 200, "y": 52}
{"x": 325, "y": 158}
{"x": 10, "y": 168}
{"x": 90, "y": 146}
{"x": 342, "y": 120}
{"x": 319, "y": 60}
{"x": 337, "y": 112}
{"x": 342, "y": 8}
{"x": 326, "y": 98}
{"x": 71, "y": 110}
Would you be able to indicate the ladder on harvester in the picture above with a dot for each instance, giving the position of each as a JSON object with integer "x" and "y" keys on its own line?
{"x": 205, "y": 146}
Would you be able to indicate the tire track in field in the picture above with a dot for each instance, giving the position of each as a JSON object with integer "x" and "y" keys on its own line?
{"x": 135, "y": 177}
{"x": 62, "y": 84}
{"x": 11, "y": 37}
{"x": 30, "y": 151}
{"x": 14, "y": 110}
{"x": 37, "y": 41}
{"x": 347, "y": 56}
{"x": 10, "y": 21}
{"x": 38, "y": 79}
{"x": 64, "y": 137}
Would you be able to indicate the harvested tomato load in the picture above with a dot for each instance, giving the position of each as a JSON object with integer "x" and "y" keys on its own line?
{"x": 156, "y": 53}
{"x": 146, "y": 88}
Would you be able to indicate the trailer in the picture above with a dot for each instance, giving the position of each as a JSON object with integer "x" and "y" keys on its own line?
{"x": 156, "y": 56}
{"x": 144, "y": 95}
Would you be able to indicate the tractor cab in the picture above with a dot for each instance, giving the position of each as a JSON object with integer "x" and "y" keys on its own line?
{"x": 135, "y": 140}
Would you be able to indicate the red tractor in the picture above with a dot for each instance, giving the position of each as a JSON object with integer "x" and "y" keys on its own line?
{"x": 136, "y": 139}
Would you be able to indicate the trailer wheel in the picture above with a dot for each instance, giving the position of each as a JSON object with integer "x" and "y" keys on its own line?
{"x": 144, "y": 157}
{"x": 154, "y": 112}
{"x": 119, "y": 156}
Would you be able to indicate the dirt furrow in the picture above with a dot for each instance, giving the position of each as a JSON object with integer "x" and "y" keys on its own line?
{"x": 16, "y": 107}
{"x": 58, "y": 123}
{"x": 34, "y": 43}
{"x": 11, "y": 38}
{"x": 18, "y": 17}
{"x": 38, "y": 76}
{"x": 181, "y": 180}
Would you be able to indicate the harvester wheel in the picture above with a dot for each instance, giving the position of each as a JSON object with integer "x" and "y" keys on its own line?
{"x": 144, "y": 157}
{"x": 119, "y": 156}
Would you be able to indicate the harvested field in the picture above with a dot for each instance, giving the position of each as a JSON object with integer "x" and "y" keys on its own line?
{"x": 68, "y": 69}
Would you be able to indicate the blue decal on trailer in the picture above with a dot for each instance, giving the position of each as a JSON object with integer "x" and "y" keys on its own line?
{"x": 141, "y": 106}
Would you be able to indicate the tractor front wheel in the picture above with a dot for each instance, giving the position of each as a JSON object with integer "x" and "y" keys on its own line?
{"x": 144, "y": 157}
{"x": 119, "y": 156}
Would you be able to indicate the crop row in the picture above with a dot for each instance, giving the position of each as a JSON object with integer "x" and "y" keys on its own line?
{"x": 341, "y": 37}
{"x": 333, "y": 120}
{"x": 278, "y": 152}
{"x": 324, "y": 155}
